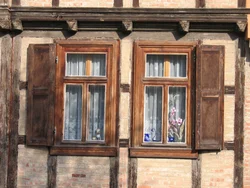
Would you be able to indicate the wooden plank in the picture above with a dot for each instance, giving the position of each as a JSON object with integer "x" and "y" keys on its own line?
{"x": 16, "y": 2}
{"x": 14, "y": 112}
{"x": 52, "y": 173}
{"x": 5, "y": 69}
{"x": 114, "y": 172}
{"x": 132, "y": 173}
{"x": 196, "y": 173}
{"x": 136, "y": 3}
{"x": 229, "y": 145}
{"x": 118, "y": 3}
{"x": 125, "y": 88}
{"x": 124, "y": 143}
{"x": 55, "y": 3}
{"x": 242, "y": 3}
{"x": 239, "y": 115}
{"x": 229, "y": 90}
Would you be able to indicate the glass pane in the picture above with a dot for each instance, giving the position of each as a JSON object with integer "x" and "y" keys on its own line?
{"x": 98, "y": 65}
{"x": 96, "y": 112}
{"x": 153, "y": 114}
{"x": 177, "y": 114}
{"x": 86, "y": 65}
{"x": 76, "y": 65}
{"x": 166, "y": 66}
{"x": 73, "y": 112}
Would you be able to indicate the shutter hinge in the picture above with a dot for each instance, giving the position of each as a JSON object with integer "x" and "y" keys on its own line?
{"x": 54, "y": 131}
{"x": 56, "y": 59}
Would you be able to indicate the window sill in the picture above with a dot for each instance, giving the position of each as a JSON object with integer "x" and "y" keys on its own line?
{"x": 84, "y": 151}
{"x": 163, "y": 153}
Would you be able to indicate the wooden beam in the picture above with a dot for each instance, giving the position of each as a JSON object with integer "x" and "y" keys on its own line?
{"x": 229, "y": 90}
{"x": 132, "y": 173}
{"x": 14, "y": 111}
{"x": 200, "y": 3}
{"x": 239, "y": 114}
{"x": 16, "y": 2}
{"x": 241, "y": 3}
{"x": 52, "y": 172}
{"x": 124, "y": 143}
{"x": 196, "y": 173}
{"x": 127, "y": 26}
{"x": 17, "y": 25}
{"x": 125, "y": 88}
{"x": 21, "y": 140}
{"x": 5, "y": 23}
{"x": 229, "y": 145}
{"x": 114, "y": 172}
{"x": 55, "y": 3}
{"x": 118, "y": 3}
{"x": 136, "y": 3}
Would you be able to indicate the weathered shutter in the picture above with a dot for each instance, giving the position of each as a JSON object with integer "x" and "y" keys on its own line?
{"x": 209, "y": 97}
{"x": 41, "y": 89}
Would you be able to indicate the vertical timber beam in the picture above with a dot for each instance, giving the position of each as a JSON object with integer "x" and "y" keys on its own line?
{"x": 132, "y": 172}
{"x": 136, "y": 3}
{"x": 14, "y": 112}
{"x": 242, "y": 3}
{"x": 200, "y": 3}
{"x": 16, "y": 2}
{"x": 55, "y": 3}
{"x": 5, "y": 58}
{"x": 114, "y": 171}
{"x": 239, "y": 114}
{"x": 196, "y": 173}
{"x": 118, "y": 3}
{"x": 52, "y": 165}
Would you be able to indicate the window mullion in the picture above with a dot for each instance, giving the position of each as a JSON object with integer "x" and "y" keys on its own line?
{"x": 165, "y": 114}
{"x": 84, "y": 112}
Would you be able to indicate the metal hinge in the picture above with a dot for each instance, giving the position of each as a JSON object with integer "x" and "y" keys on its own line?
{"x": 56, "y": 59}
{"x": 54, "y": 132}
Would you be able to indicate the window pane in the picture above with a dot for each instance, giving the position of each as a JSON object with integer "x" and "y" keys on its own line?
{"x": 76, "y": 65}
{"x": 96, "y": 112}
{"x": 177, "y": 114}
{"x": 153, "y": 114}
{"x": 86, "y": 65}
{"x": 98, "y": 65}
{"x": 73, "y": 112}
{"x": 166, "y": 66}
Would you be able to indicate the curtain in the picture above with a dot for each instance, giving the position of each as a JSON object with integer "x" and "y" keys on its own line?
{"x": 98, "y": 65}
{"x": 76, "y": 65}
{"x": 153, "y": 114}
{"x": 96, "y": 112}
{"x": 154, "y": 65}
{"x": 176, "y": 114}
{"x": 178, "y": 66}
{"x": 73, "y": 112}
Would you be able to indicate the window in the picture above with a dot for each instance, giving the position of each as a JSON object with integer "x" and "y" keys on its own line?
{"x": 85, "y": 95}
{"x": 164, "y": 101}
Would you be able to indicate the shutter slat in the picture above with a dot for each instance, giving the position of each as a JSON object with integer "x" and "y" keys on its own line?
{"x": 41, "y": 91}
{"x": 209, "y": 97}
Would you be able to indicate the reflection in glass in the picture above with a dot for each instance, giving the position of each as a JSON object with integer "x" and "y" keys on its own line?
{"x": 153, "y": 114}
{"x": 73, "y": 112}
{"x": 176, "y": 114}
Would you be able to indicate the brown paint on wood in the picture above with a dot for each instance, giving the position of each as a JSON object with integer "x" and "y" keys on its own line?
{"x": 16, "y": 2}
{"x": 21, "y": 140}
{"x": 239, "y": 115}
{"x": 229, "y": 90}
{"x": 196, "y": 173}
{"x": 209, "y": 97}
{"x": 55, "y": 3}
{"x": 5, "y": 67}
{"x": 166, "y": 65}
{"x": 242, "y": 3}
{"x": 132, "y": 172}
{"x": 118, "y": 3}
{"x": 229, "y": 145}
{"x": 124, "y": 143}
{"x": 52, "y": 173}
{"x": 125, "y": 88}
{"x": 136, "y": 3}
{"x": 114, "y": 172}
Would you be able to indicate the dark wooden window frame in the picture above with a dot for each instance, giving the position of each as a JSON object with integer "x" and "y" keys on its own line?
{"x": 108, "y": 147}
{"x": 140, "y": 149}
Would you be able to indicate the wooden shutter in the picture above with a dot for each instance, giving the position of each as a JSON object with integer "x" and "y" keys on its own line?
{"x": 41, "y": 89}
{"x": 209, "y": 97}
